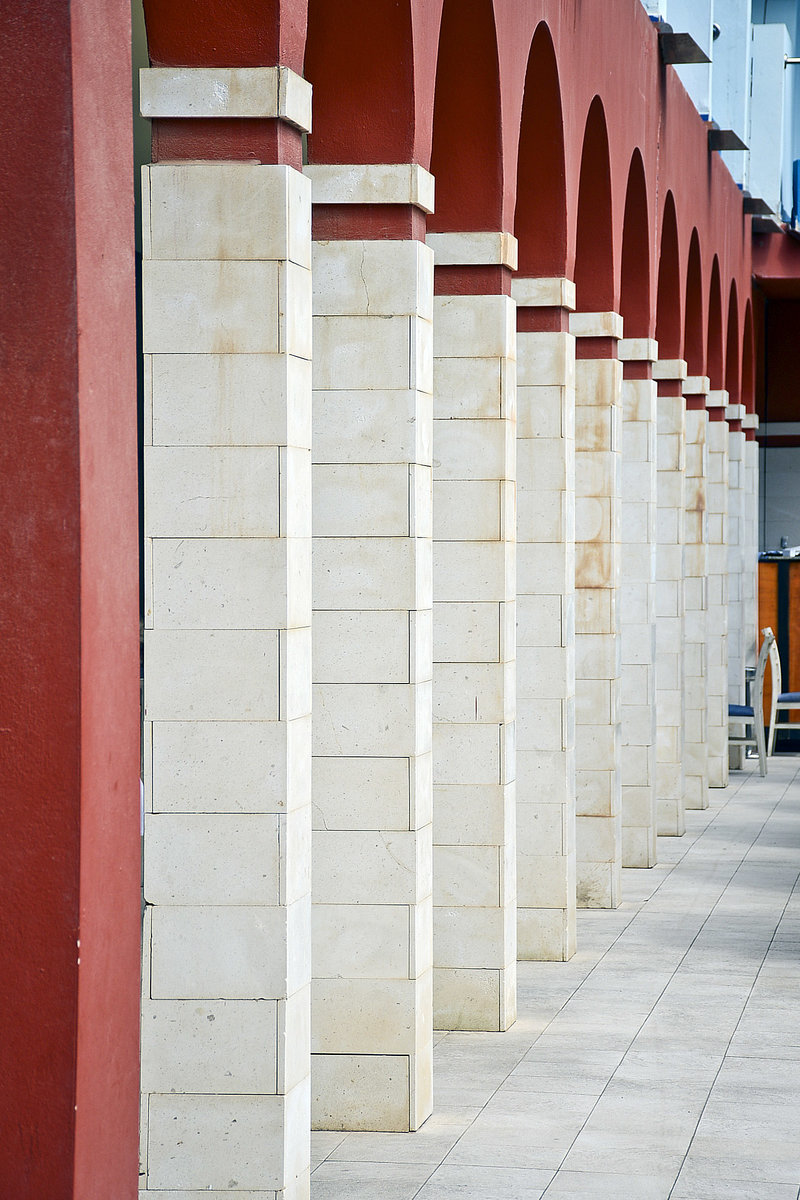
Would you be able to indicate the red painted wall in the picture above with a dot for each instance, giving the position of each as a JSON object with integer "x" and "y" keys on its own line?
{"x": 69, "y": 848}
{"x": 376, "y": 101}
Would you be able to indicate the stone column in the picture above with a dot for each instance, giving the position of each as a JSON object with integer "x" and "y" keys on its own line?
{"x": 750, "y": 569}
{"x": 670, "y": 454}
{"x": 736, "y": 565}
{"x": 474, "y": 587}
{"x": 598, "y": 440}
{"x": 372, "y": 783}
{"x": 695, "y": 595}
{"x": 717, "y": 665}
{"x": 545, "y": 619}
{"x": 639, "y": 506}
{"x": 227, "y": 946}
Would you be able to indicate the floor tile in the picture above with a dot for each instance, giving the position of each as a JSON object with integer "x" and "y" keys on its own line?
{"x": 452, "y": 1182}
{"x": 661, "y": 1061}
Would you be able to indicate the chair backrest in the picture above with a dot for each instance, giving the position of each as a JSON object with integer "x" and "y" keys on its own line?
{"x": 775, "y": 672}
{"x": 768, "y": 651}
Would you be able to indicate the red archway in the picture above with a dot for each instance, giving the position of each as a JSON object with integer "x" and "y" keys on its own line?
{"x": 668, "y": 300}
{"x": 732, "y": 379}
{"x": 715, "y": 358}
{"x": 360, "y": 61}
{"x": 594, "y": 243}
{"x": 540, "y": 219}
{"x": 748, "y": 361}
{"x": 634, "y": 301}
{"x": 694, "y": 348}
{"x": 467, "y": 154}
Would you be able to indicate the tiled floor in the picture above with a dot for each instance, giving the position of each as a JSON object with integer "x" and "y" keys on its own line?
{"x": 662, "y": 1061}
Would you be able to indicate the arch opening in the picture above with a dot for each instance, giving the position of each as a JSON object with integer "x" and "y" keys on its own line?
{"x": 694, "y": 349}
{"x": 246, "y": 33}
{"x": 467, "y": 153}
{"x": 668, "y": 295}
{"x": 540, "y": 219}
{"x": 715, "y": 359}
{"x": 594, "y": 243}
{"x": 360, "y": 61}
{"x": 748, "y": 392}
{"x": 634, "y": 301}
{"x": 732, "y": 380}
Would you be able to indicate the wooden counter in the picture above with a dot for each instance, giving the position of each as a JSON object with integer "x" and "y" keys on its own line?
{"x": 779, "y": 607}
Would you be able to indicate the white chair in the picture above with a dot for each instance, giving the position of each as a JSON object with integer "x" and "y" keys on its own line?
{"x": 753, "y": 714}
{"x": 782, "y": 702}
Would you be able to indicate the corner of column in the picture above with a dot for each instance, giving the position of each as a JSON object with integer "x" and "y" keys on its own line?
{"x": 373, "y": 663}
{"x": 227, "y": 346}
{"x": 546, "y": 860}
{"x": 638, "y": 601}
{"x": 719, "y": 445}
{"x": 598, "y": 507}
{"x": 670, "y": 376}
{"x": 474, "y": 552}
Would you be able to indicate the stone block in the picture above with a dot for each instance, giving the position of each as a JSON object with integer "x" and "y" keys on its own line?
{"x": 377, "y": 1087}
{"x": 467, "y": 876}
{"x": 205, "y": 1141}
{"x": 195, "y": 492}
{"x": 372, "y": 719}
{"x": 372, "y": 427}
{"x": 375, "y": 278}
{"x": 361, "y": 500}
{"x": 228, "y": 307}
{"x": 214, "y": 675}
{"x": 229, "y": 583}
{"x": 371, "y": 573}
{"x": 361, "y": 941}
{"x": 229, "y": 400}
{"x": 356, "y": 866}
{"x": 226, "y": 1047}
{"x": 229, "y": 952}
{"x": 371, "y": 1016}
{"x": 474, "y": 327}
{"x": 363, "y": 353}
{"x": 183, "y": 864}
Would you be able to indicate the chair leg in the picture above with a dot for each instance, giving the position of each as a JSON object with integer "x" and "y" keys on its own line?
{"x": 761, "y": 747}
{"x": 771, "y": 740}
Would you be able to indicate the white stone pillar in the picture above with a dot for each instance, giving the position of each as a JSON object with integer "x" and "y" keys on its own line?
{"x": 227, "y": 961}
{"x": 474, "y": 587}
{"x": 717, "y": 590}
{"x": 671, "y": 450}
{"x": 372, "y": 782}
{"x": 736, "y": 565}
{"x": 750, "y": 571}
{"x": 695, "y": 595}
{"x": 639, "y": 501}
{"x": 545, "y": 621}
{"x": 598, "y": 441}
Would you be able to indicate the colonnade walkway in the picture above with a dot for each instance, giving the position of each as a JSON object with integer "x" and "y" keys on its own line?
{"x": 662, "y": 1061}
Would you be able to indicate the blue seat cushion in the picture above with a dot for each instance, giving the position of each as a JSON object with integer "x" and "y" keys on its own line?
{"x": 789, "y": 698}
{"x": 740, "y": 710}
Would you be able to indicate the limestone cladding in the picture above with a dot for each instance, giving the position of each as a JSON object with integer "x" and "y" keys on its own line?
{"x": 474, "y": 588}
{"x": 671, "y": 461}
{"x": 372, "y": 669}
{"x": 738, "y": 562}
{"x": 598, "y": 459}
{"x": 695, "y": 593}
{"x": 639, "y": 507}
{"x": 717, "y": 644}
{"x": 227, "y": 718}
{"x": 545, "y": 632}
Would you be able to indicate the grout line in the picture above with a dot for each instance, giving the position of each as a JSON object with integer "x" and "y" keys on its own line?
{"x": 639, "y": 906}
{"x": 752, "y": 986}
